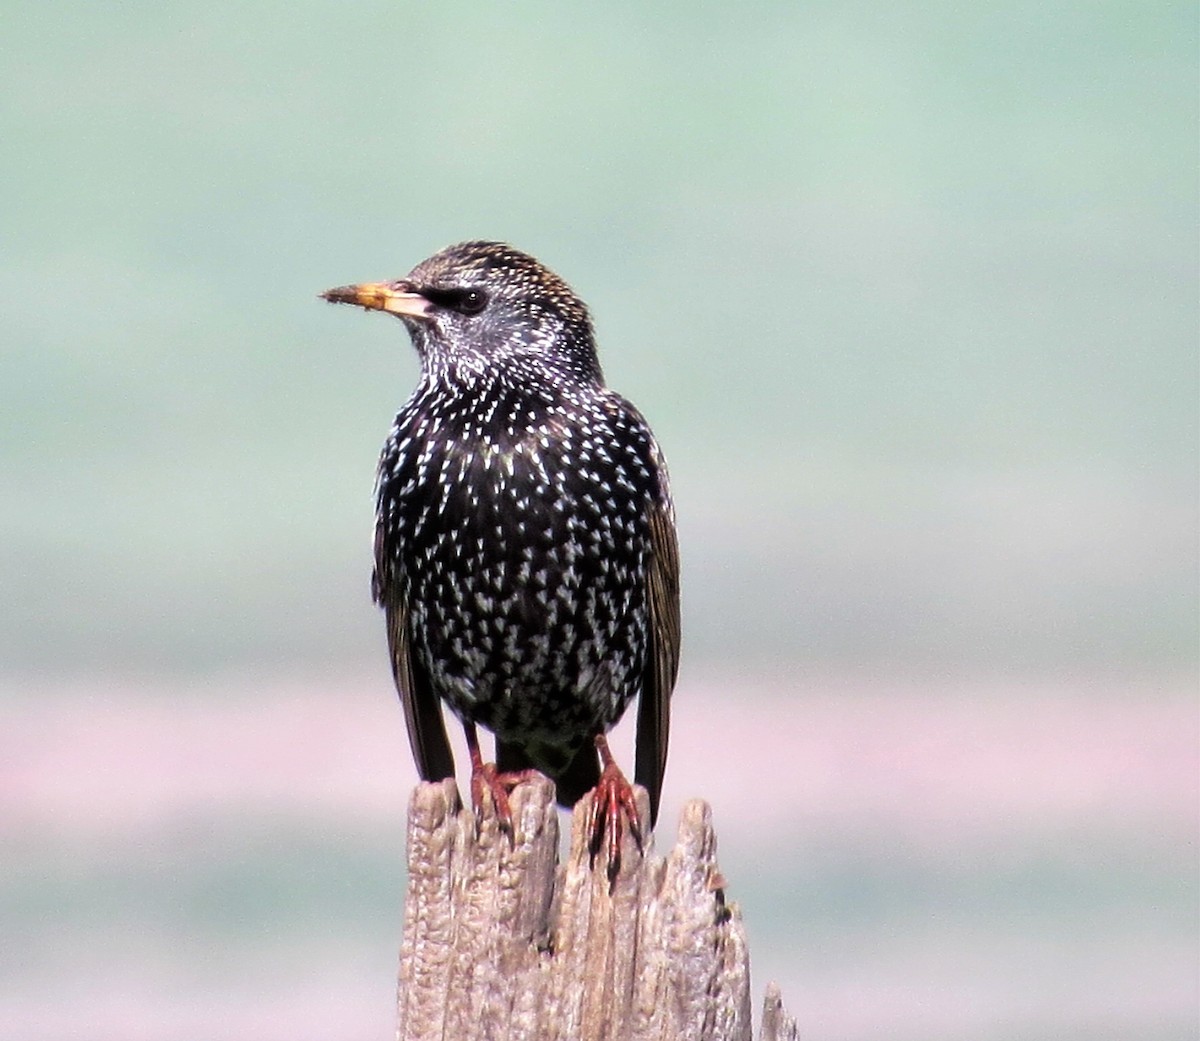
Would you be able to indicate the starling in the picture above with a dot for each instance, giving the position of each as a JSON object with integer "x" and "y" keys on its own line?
{"x": 525, "y": 549}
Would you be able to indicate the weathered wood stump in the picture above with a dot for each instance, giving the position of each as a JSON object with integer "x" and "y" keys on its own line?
{"x": 502, "y": 943}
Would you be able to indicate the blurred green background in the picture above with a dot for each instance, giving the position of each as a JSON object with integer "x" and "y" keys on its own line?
{"x": 908, "y": 291}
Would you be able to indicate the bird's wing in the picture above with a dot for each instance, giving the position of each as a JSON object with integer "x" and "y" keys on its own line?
{"x": 422, "y": 711}
{"x": 662, "y": 664}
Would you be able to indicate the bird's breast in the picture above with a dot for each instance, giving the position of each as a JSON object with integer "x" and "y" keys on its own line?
{"x": 535, "y": 512}
{"x": 523, "y": 550}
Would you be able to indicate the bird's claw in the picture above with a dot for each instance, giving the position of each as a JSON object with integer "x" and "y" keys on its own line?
{"x": 488, "y": 782}
{"x": 612, "y": 799}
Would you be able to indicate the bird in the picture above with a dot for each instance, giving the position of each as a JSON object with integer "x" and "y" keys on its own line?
{"x": 525, "y": 548}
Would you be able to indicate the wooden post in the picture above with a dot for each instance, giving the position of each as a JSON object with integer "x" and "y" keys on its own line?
{"x": 502, "y": 943}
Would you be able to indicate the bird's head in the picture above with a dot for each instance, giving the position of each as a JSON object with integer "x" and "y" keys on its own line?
{"x": 477, "y": 306}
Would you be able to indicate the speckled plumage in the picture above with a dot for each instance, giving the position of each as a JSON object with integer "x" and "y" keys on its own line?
{"x": 525, "y": 549}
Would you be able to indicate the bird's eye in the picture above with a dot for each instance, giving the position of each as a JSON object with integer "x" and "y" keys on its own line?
{"x": 472, "y": 302}
{"x": 465, "y": 301}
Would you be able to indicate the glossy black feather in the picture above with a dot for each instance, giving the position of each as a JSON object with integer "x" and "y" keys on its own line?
{"x": 525, "y": 542}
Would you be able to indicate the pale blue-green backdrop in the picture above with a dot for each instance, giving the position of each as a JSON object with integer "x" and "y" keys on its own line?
{"x": 908, "y": 291}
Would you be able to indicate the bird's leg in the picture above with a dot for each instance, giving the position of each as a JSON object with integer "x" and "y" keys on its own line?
{"x": 485, "y": 778}
{"x": 612, "y": 798}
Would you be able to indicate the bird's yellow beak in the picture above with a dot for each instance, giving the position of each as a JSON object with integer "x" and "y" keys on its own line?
{"x": 395, "y": 297}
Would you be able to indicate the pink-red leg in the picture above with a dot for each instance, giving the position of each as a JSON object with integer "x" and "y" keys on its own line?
{"x": 486, "y": 780}
{"x": 612, "y": 799}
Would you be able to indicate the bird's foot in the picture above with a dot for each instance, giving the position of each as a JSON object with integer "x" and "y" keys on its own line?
{"x": 488, "y": 782}
{"x": 612, "y": 799}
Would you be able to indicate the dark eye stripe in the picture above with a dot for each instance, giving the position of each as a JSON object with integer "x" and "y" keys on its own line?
{"x": 464, "y": 300}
